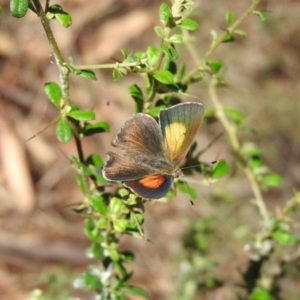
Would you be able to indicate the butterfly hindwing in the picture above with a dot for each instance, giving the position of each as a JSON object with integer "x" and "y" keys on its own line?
{"x": 179, "y": 126}
{"x": 151, "y": 187}
{"x": 121, "y": 167}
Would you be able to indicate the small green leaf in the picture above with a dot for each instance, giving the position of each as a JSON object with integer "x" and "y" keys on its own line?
{"x": 53, "y": 92}
{"x": 117, "y": 74}
{"x": 220, "y": 169}
{"x": 228, "y": 38}
{"x": 95, "y": 160}
{"x": 137, "y": 95}
{"x": 135, "y": 216}
{"x": 152, "y": 55}
{"x": 284, "y": 238}
{"x": 102, "y": 223}
{"x": 249, "y": 149}
{"x": 255, "y": 162}
{"x": 164, "y": 13}
{"x": 155, "y": 110}
{"x": 87, "y": 73}
{"x": 159, "y": 31}
{"x": 99, "y": 127}
{"x": 176, "y": 39}
{"x": 181, "y": 72}
{"x": 90, "y": 281}
{"x": 124, "y": 53}
{"x": 95, "y": 251}
{"x": 123, "y": 192}
{"x": 82, "y": 115}
{"x": 81, "y": 183}
{"x": 18, "y": 8}
{"x": 127, "y": 256}
{"x": 170, "y": 51}
{"x": 119, "y": 268}
{"x": 97, "y": 203}
{"x": 215, "y": 65}
{"x": 185, "y": 189}
{"x": 261, "y": 15}
{"x": 113, "y": 253}
{"x": 64, "y": 19}
{"x": 56, "y": 11}
{"x": 63, "y": 131}
{"x": 271, "y": 180}
{"x": 260, "y": 294}
{"x": 134, "y": 290}
{"x": 229, "y": 18}
{"x": 120, "y": 225}
{"x": 115, "y": 205}
{"x": 164, "y": 76}
{"x": 188, "y": 24}
{"x": 240, "y": 32}
{"x": 234, "y": 114}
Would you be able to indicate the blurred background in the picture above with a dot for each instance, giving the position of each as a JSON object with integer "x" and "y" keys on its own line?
{"x": 42, "y": 244}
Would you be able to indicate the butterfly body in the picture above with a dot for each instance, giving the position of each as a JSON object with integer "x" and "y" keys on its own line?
{"x": 150, "y": 153}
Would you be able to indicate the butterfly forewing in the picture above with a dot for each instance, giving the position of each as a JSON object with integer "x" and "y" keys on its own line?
{"x": 140, "y": 135}
{"x": 179, "y": 125}
{"x": 120, "y": 167}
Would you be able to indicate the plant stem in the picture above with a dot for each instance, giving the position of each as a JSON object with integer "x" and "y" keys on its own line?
{"x": 112, "y": 66}
{"x": 231, "y": 132}
{"x": 216, "y": 42}
{"x": 63, "y": 71}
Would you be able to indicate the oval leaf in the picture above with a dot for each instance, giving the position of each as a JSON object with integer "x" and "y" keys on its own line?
{"x": 64, "y": 19}
{"x": 220, "y": 169}
{"x": 115, "y": 205}
{"x": 271, "y": 180}
{"x": 63, "y": 131}
{"x": 98, "y": 204}
{"x": 284, "y": 238}
{"x": 229, "y": 18}
{"x": 234, "y": 114}
{"x": 137, "y": 95}
{"x": 164, "y": 76}
{"x": 87, "y": 73}
{"x": 82, "y": 115}
{"x": 135, "y": 290}
{"x": 176, "y": 39}
{"x": 18, "y": 8}
{"x": 164, "y": 13}
{"x": 98, "y": 127}
{"x": 215, "y": 65}
{"x": 189, "y": 24}
{"x": 53, "y": 92}
{"x": 120, "y": 225}
{"x": 185, "y": 189}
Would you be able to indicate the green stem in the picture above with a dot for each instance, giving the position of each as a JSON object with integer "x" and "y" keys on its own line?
{"x": 63, "y": 71}
{"x": 231, "y": 132}
{"x": 216, "y": 42}
{"x": 289, "y": 206}
{"x": 112, "y": 66}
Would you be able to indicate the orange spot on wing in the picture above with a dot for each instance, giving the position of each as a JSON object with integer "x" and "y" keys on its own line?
{"x": 152, "y": 182}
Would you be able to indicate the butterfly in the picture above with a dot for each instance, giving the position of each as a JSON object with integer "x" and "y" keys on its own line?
{"x": 150, "y": 152}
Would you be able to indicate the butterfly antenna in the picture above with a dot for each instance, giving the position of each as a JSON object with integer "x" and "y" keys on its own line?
{"x": 209, "y": 144}
{"x": 202, "y": 164}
